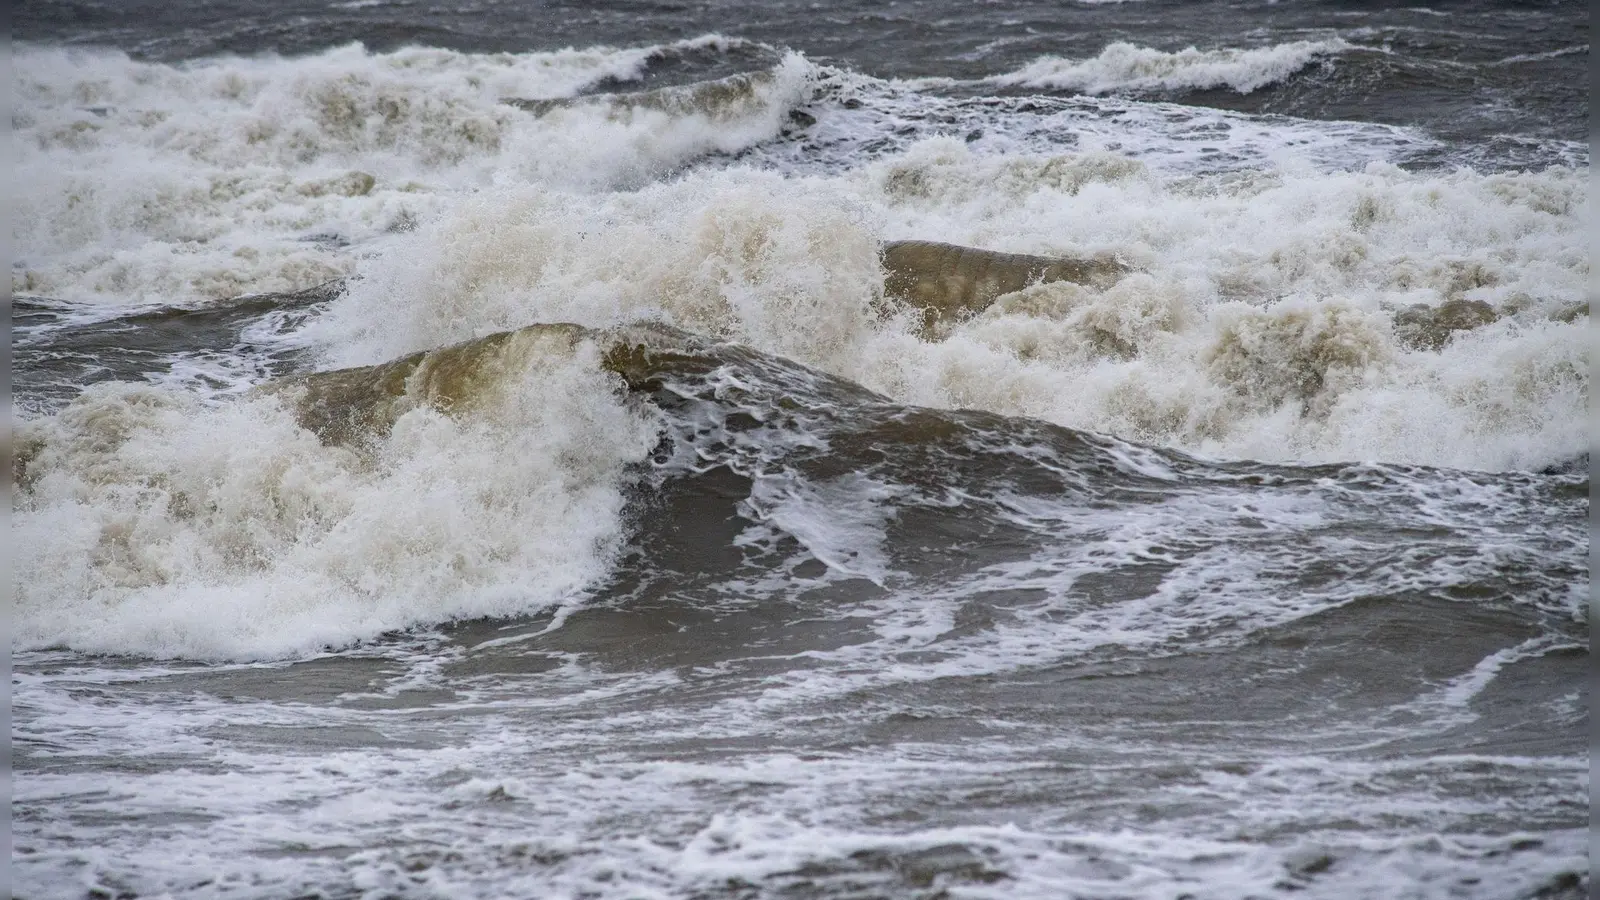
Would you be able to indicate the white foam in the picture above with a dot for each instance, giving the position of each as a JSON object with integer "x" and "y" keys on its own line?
{"x": 156, "y": 524}
{"x": 840, "y": 522}
{"x": 230, "y": 794}
{"x": 1122, "y": 66}
{"x": 789, "y": 265}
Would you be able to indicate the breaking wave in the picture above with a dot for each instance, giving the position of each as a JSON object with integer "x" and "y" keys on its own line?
{"x": 1296, "y": 313}
{"x": 151, "y": 522}
{"x": 1122, "y": 66}
{"x": 154, "y": 183}
{"x": 1437, "y": 319}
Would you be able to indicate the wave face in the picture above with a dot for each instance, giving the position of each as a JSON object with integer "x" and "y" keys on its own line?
{"x": 1039, "y": 462}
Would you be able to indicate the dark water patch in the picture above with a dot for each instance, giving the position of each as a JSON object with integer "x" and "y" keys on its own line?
{"x": 1534, "y": 706}
{"x": 914, "y": 874}
{"x": 646, "y": 636}
{"x": 1283, "y": 689}
{"x": 318, "y": 740}
{"x": 322, "y": 681}
{"x": 1577, "y": 465}
{"x": 58, "y": 350}
{"x": 689, "y": 63}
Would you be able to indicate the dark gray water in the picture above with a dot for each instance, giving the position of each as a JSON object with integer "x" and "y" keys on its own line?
{"x": 1256, "y": 568}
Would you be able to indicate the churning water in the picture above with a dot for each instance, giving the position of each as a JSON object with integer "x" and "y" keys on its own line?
{"x": 471, "y": 451}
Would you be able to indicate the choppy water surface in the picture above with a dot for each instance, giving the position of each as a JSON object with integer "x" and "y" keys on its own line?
{"x": 508, "y": 457}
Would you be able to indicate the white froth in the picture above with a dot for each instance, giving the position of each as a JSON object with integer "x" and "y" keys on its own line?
{"x": 840, "y": 523}
{"x": 1263, "y": 323}
{"x": 155, "y": 524}
{"x": 1122, "y": 66}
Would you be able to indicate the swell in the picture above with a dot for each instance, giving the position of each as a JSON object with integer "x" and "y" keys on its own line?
{"x": 719, "y": 100}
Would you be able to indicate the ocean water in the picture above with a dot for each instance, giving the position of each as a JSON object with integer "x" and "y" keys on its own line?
{"x": 470, "y": 450}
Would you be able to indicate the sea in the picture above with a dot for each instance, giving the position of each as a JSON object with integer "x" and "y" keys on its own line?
{"x": 490, "y": 449}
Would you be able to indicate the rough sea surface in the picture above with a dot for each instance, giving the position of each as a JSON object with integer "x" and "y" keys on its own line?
{"x": 478, "y": 450}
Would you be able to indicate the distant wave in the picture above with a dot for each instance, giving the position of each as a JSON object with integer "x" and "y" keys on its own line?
{"x": 1128, "y": 67}
{"x": 1540, "y": 57}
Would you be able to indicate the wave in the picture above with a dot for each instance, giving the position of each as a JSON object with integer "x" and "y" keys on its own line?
{"x": 719, "y": 100}
{"x": 149, "y": 521}
{"x": 1267, "y": 316}
{"x": 1573, "y": 50}
{"x": 1122, "y": 66}
{"x": 1411, "y": 318}
{"x": 60, "y": 348}
{"x": 144, "y": 184}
